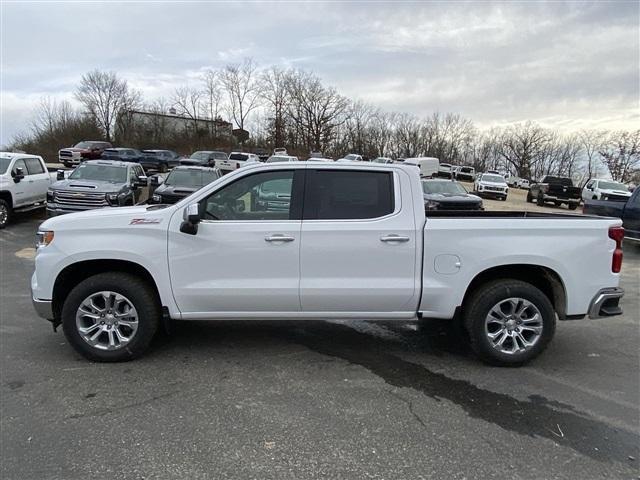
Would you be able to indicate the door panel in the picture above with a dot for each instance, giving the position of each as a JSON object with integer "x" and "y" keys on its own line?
{"x": 245, "y": 256}
{"x": 355, "y": 264}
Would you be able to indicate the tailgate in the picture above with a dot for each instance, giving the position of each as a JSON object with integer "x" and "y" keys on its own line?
{"x": 563, "y": 191}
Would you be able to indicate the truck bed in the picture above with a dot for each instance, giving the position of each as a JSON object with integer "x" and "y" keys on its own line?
{"x": 503, "y": 214}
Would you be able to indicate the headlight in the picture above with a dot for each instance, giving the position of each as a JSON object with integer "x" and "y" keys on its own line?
{"x": 432, "y": 205}
{"x": 156, "y": 198}
{"x": 44, "y": 238}
{"x": 112, "y": 198}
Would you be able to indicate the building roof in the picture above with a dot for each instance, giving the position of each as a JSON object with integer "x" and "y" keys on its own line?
{"x": 180, "y": 117}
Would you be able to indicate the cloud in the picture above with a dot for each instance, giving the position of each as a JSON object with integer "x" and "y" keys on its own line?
{"x": 568, "y": 65}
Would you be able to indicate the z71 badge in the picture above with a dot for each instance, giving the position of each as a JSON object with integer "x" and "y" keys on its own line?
{"x": 144, "y": 221}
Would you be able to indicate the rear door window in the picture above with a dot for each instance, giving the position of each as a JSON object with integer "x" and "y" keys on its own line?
{"x": 348, "y": 195}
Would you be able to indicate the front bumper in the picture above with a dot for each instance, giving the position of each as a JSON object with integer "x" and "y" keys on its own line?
{"x": 606, "y": 303}
{"x": 43, "y": 308}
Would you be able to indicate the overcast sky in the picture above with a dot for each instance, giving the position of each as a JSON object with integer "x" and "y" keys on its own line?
{"x": 565, "y": 65}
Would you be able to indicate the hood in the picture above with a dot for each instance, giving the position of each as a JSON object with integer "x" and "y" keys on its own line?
{"x": 451, "y": 197}
{"x": 74, "y": 149}
{"x": 89, "y": 186}
{"x": 176, "y": 189}
{"x": 116, "y": 216}
{"x": 616, "y": 192}
{"x": 492, "y": 184}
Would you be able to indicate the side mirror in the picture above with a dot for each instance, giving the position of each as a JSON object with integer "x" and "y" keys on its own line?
{"x": 60, "y": 175}
{"x": 240, "y": 205}
{"x": 191, "y": 219}
{"x": 18, "y": 174}
{"x": 142, "y": 181}
{"x": 156, "y": 180}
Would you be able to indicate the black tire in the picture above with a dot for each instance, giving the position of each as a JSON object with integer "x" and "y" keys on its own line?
{"x": 6, "y": 212}
{"x": 573, "y": 206}
{"x": 137, "y": 291}
{"x": 529, "y": 197}
{"x": 478, "y": 306}
{"x": 540, "y": 200}
{"x": 595, "y": 197}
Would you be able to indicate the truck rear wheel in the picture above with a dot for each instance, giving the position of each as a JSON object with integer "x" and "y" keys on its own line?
{"x": 540, "y": 200}
{"x": 529, "y": 197}
{"x": 5, "y": 213}
{"x": 509, "y": 322}
{"x": 111, "y": 317}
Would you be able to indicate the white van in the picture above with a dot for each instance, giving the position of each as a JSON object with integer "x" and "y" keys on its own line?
{"x": 428, "y": 165}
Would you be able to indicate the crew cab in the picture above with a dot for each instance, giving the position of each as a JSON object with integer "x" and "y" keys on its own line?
{"x": 558, "y": 190}
{"x": 627, "y": 209}
{"x": 597, "y": 189}
{"x": 86, "y": 150}
{"x": 182, "y": 182}
{"x": 344, "y": 242}
{"x": 24, "y": 181}
{"x": 97, "y": 184}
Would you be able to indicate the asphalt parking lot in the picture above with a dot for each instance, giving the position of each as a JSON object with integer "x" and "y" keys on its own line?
{"x": 314, "y": 399}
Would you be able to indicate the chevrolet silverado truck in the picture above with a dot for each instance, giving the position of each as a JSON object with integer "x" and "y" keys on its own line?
{"x": 346, "y": 242}
{"x": 24, "y": 181}
{"x": 557, "y": 190}
{"x": 97, "y": 184}
{"x": 626, "y": 209}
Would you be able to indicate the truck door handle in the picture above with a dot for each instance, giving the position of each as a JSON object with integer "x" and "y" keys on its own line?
{"x": 394, "y": 238}
{"x": 279, "y": 238}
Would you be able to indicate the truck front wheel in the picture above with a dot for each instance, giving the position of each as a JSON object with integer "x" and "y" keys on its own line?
{"x": 5, "y": 213}
{"x": 509, "y": 322}
{"x": 111, "y": 317}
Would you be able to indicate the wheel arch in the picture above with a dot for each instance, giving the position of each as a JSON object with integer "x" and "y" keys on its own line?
{"x": 77, "y": 272}
{"x": 544, "y": 278}
{"x": 7, "y": 197}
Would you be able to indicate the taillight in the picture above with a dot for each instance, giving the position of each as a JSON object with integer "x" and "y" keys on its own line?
{"x": 617, "y": 234}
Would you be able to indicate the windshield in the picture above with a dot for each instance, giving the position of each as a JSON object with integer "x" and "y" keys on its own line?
{"x": 613, "y": 186}
{"x": 466, "y": 169}
{"x": 238, "y": 156}
{"x": 381, "y": 160}
{"x": 493, "y": 178}
{"x": 103, "y": 173}
{"x": 561, "y": 180}
{"x": 200, "y": 155}
{"x": 4, "y": 164}
{"x": 190, "y": 178}
{"x": 352, "y": 156}
{"x": 84, "y": 145}
{"x": 443, "y": 187}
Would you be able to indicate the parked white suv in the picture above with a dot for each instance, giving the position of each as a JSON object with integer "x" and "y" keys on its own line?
{"x": 236, "y": 160}
{"x": 24, "y": 181}
{"x": 596, "y": 189}
{"x": 491, "y": 184}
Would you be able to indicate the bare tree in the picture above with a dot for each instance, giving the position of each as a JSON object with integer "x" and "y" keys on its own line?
{"x": 213, "y": 95}
{"x": 274, "y": 91}
{"x": 188, "y": 102}
{"x": 591, "y": 141}
{"x": 317, "y": 111}
{"x": 241, "y": 83}
{"x": 621, "y": 154}
{"x": 105, "y": 96}
{"x": 523, "y": 147}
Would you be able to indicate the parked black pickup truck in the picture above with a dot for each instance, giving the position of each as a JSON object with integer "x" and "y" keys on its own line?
{"x": 556, "y": 190}
{"x": 628, "y": 211}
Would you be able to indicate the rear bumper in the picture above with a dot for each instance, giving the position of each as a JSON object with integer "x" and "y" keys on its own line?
{"x": 606, "y": 303}
{"x": 554, "y": 198}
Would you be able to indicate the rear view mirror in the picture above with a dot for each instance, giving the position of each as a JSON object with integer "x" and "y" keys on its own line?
{"x": 60, "y": 175}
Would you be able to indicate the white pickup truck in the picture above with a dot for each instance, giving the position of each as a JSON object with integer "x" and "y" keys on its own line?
{"x": 24, "y": 181}
{"x": 311, "y": 240}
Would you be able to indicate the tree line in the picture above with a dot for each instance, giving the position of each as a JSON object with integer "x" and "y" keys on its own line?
{"x": 292, "y": 108}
